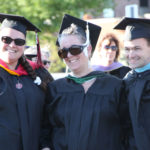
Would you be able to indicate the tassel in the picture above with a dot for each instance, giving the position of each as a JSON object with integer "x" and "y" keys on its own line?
{"x": 39, "y": 60}
{"x": 87, "y": 35}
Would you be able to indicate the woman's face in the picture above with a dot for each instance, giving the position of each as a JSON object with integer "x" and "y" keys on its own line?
{"x": 10, "y": 53}
{"x": 76, "y": 63}
{"x": 107, "y": 52}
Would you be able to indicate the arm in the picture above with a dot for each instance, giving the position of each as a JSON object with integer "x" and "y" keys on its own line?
{"x": 125, "y": 121}
{"x": 45, "y": 127}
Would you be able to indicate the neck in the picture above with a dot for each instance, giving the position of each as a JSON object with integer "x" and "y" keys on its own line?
{"x": 82, "y": 73}
{"x": 12, "y": 66}
{"x": 104, "y": 62}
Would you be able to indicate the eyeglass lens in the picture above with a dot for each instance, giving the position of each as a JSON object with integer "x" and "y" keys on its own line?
{"x": 113, "y": 48}
{"x": 74, "y": 50}
{"x": 45, "y": 62}
{"x": 8, "y": 40}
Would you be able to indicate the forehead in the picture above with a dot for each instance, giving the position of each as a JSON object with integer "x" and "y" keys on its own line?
{"x": 69, "y": 40}
{"x": 106, "y": 42}
{"x": 11, "y": 32}
{"x": 136, "y": 42}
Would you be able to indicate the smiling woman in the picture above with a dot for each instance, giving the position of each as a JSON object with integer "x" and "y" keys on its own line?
{"x": 83, "y": 108}
{"x": 22, "y": 87}
{"x": 107, "y": 57}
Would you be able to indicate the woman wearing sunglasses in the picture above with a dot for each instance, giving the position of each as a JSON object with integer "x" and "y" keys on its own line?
{"x": 107, "y": 57}
{"x": 84, "y": 107}
{"x": 22, "y": 87}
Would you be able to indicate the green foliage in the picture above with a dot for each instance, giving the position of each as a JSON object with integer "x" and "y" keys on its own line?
{"x": 47, "y": 15}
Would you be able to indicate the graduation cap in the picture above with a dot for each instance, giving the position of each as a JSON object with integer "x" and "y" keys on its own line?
{"x": 94, "y": 30}
{"x": 21, "y": 24}
{"x": 134, "y": 28}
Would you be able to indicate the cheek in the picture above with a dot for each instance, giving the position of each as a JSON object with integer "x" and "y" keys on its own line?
{"x": 114, "y": 53}
{"x": 21, "y": 49}
{"x": 103, "y": 52}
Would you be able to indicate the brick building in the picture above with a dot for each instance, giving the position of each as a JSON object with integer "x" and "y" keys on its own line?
{"x": 131, "y": 7}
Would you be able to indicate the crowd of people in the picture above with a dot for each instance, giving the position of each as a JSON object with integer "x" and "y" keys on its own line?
{"x": 103, "y": 106}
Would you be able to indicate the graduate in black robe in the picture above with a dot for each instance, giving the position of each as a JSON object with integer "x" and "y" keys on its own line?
{"x": 85, "y": 109}
{"x": 137, "y": 52}
{"x": 22, "y": 87}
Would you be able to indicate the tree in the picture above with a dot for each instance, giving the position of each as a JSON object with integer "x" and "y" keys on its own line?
{"x": 47, "y": 15}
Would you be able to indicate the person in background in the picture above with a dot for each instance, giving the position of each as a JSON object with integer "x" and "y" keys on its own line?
{"x": 23, "y": 86}
{"x": 46, "y": 58}
{"x": 137, "y": 53}
{"x": 85, "y": 112}
{"x": 31, "y": 54}
{"x": 108, "y": 54}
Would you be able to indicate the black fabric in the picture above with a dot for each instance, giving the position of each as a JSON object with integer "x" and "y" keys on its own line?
{"x": 17, "y": 22}
{"x": 134, "y": 28}
{"x": 21, "y": 112}
{"x": 87, "y": 121}
{"x": 94, "y": 29}
{"x": 120, "y": 72}
{"x": 137, "y": 89}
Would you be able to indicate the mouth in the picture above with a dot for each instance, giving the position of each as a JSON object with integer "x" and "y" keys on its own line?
{"x": 73, "y": 61}
{"x": 11, "y": 51}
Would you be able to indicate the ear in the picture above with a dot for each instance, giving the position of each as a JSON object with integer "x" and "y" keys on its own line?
{"x": 89, "y": 48}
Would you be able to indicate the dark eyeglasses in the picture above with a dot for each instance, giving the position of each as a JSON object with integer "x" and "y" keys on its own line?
{"x": 8, "y": 40}
{"x": 73, "y": 50}
{"x": 45, "y": 62}
{"x": 113, "y": 48}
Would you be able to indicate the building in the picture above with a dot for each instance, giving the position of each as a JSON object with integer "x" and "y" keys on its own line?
{"x": 131, "y": 8}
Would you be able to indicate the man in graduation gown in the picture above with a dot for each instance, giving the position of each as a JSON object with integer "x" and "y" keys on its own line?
{"x": 137, "y": 52}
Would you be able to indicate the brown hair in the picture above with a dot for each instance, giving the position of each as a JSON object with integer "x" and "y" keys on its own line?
{"x": 31, "y": 72}
{"x": 111, "y": 38}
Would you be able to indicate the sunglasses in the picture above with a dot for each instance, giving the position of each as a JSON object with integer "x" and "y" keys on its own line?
{"x": 113, "y": 48}
{"x": 73, "y": 50}
{"x": 8, "y": 40}
{"x": 45, "y": 62}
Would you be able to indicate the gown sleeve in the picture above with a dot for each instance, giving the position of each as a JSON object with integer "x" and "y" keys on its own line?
{"x": 127, "y": 131}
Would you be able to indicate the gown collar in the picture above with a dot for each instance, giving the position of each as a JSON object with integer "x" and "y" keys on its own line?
{"x": 86, "y": 78}
{"x": 20, "y": 70}
{"x": 142, "y": 69}
{"x": 114, "y": 65}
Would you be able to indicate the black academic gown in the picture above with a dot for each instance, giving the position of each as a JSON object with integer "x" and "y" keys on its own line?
{"x": 86, "y": 121}
{"x": 20, "y": 112}
{"x": 138, "y": 91}
{"x": 120, "y": 72}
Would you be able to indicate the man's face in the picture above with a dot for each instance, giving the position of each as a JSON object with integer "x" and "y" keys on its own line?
{"x": 137, "y": 53}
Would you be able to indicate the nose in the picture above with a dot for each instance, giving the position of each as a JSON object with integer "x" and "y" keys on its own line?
{"x": 12, "y": 44}
{"x": 130, "y": 54}
{"x": 69, "y": 54}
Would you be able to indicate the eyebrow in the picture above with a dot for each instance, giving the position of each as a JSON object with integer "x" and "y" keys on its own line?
{"x": 132, "y": 47}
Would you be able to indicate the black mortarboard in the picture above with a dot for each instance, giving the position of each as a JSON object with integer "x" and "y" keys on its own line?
{"x": 21, "y": 24}
{"x": 17, "y": 22}
{"x": 93, "y": 29}
{"x": 134, "y": 28}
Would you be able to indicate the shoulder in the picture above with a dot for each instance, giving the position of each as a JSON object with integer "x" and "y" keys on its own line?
{"x": 108, "y": 80}
{"x": 120, "y": 72}
{"x": 125, "y": 68}
{"x": 59, "y": 82}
